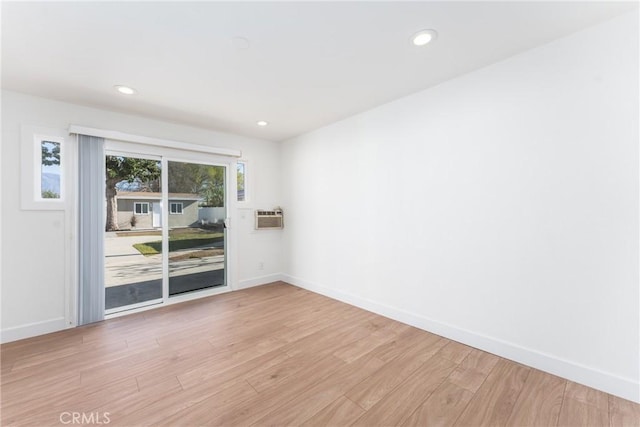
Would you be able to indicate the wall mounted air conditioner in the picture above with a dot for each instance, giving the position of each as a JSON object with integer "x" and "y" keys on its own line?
{"x": 269, "y": 220}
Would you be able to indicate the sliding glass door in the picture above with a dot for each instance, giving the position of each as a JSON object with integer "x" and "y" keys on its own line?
{"x": 196, "y": 221}
{"x": 133, "y": 239}
{"x": 165, "y": 233}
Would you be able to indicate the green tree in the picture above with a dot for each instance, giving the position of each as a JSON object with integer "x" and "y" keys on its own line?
{"x": 204, "y": 180}
{"x": 50, "y": 153}
{"x": 48, "y": 194}
{"x": 127, "y": 169}
{"x": 50, "y": 157}
{"x": 213, "y": 191}
{"x": 240, "y": 176}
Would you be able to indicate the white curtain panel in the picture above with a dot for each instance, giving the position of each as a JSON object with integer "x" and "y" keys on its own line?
{"x": 92, "y": 223}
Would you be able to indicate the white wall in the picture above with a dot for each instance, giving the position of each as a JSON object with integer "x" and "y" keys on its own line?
{"x": 33, "y": 242}
{"x": 499, "y": 208}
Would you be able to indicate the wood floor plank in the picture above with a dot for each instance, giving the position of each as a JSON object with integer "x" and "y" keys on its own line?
{"x": 24, "y": 399}
{"x": 539, "y": 402}
{"x": 47, "y": 411}
{"x": 442, "y": 408}
{"x": 314, "y": 399}
{"x": 588, "y": 396}
{"x": 493, "y": 403}
{"x": 623, "y": 413}
{"x": 330, "y": 338}
{"x": 473, "y": 370}
{"x": 401, "y": 343}
{"x": 5, "y": 366}
{"x": 365, "y": 345}
{"x": 61, "y": 367}
{"x": 213, "y": 387}
{"x": 577, "y": 413}
{"x": 372, "y": 389}
{"x": 280, "y": 355}
{"x": 480, "y": 361}
{"x": 277, "y": 373}
{"x": 247, "y": 412}
{"x": 183, "y": 412}
{"x": 397, "y": 406}
{"x": 37, "y": 345}
{"x": 142, "y": 343}
{"x": 340, "y": 412}
{"x": 34, "y": 388}
{"x": 139, "y": 364}
{"x": 455, "y": 352}
{"x": 121, "y": 408}
{"x": 69, "y": 354}
{"x": 222, "y": 369}
{"x": 306, "y": 327}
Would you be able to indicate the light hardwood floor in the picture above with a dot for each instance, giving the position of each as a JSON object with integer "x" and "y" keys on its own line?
{"x": 278, "y": 355}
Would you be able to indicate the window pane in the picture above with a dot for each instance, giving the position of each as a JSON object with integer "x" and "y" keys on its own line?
{"x": 241, "y": 181}
{"x": 141, "y": 208}
{"x": 175, "y": 208}
{"x": 133, "y": 238}
{"x": 196, "y": 228}
{"x": 50, "y": 170}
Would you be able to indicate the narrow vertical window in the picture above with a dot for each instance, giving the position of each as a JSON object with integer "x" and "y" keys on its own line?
{"x": 50, "y": 173}
{"x": 241, "y": 172}
{"x": 43, "y": 164}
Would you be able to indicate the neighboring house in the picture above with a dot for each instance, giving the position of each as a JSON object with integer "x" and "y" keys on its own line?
{"x": 146, "y": 208}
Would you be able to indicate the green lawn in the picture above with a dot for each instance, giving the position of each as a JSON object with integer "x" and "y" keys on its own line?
{"x": 179, "y": 240}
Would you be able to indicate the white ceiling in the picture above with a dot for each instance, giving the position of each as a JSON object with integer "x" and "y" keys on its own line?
{"x": 308, "y": 64}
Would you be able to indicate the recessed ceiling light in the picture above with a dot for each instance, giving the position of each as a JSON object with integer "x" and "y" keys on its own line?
{"x": 423, "y": 37}
{"x": 262, "y": 123}
{"x": 126, "y": 90}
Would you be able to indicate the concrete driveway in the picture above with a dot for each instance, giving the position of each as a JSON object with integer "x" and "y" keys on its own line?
{"x": 125, "y": 265}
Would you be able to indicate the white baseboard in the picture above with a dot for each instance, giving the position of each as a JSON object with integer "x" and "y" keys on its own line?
{"x": 609, "y": 383}
{"x": 32, "y": 329}
{"x": 53, "y": 325}
{"x": 257, "y": 281}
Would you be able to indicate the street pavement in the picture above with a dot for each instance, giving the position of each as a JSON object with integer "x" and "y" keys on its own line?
{"x": 125, "y": 265}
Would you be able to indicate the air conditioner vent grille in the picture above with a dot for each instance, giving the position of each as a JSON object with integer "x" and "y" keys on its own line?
{"x": 269, "y": 220}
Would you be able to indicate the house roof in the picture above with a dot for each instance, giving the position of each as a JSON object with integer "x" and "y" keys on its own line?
{"x": 148, "y": 195}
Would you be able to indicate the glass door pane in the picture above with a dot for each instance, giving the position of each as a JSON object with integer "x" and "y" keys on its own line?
{"x": 133, "y": 233}
{"x": 196, "y": 212}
